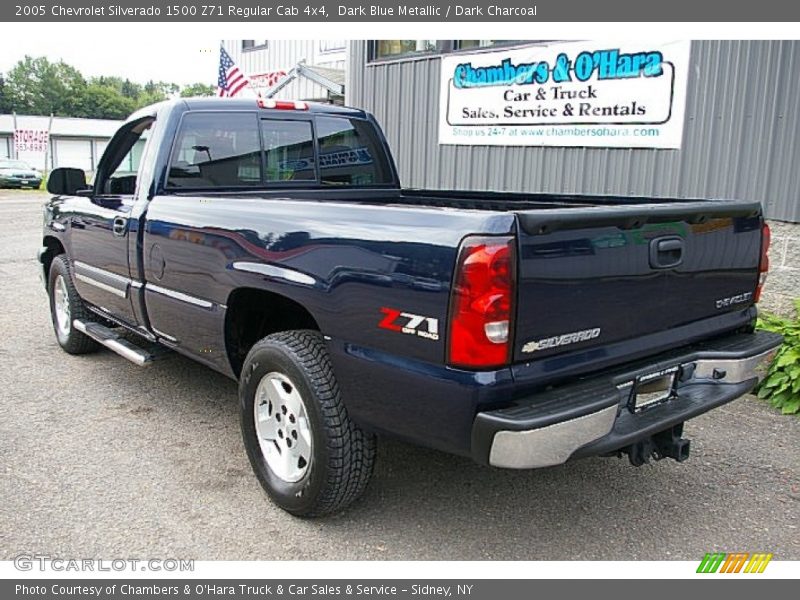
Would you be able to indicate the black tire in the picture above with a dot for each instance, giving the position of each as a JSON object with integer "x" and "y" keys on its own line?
{"x": 343, "y": 455}
{"x": 71, "y": 340}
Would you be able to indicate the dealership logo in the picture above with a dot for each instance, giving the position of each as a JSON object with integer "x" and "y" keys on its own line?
{"x": 601, "y": 64}
{"x": 736, "y": 562}
{"x": 330, "y": 160}
{"x": 409, "y": 323}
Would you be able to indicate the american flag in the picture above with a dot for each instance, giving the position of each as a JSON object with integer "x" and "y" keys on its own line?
{"x": 231, "y": 80}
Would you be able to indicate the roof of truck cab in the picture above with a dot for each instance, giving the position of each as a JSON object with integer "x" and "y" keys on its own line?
{"x": 215, "y": 103}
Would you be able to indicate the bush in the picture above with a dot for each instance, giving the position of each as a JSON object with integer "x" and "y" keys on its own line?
{"x": 781, "y": 386}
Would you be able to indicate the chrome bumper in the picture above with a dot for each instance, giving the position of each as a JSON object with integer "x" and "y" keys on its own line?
{"x": 550, "y": 445}
{"x": 735, "y": 371}
{"x": 708, "y": 382}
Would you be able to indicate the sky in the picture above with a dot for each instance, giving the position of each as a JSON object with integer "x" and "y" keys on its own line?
{"x": 139, "y": 58}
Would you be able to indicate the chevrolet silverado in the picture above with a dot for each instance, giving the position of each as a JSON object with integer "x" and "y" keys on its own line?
{"x": 272, "y": 241}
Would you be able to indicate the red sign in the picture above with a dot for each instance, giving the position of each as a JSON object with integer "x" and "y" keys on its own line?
{"x": 31, "y": 140}
{"x": 266, "y": 80}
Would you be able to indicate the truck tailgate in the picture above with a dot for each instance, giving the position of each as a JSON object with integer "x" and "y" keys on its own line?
{"x": 597, "y": 275}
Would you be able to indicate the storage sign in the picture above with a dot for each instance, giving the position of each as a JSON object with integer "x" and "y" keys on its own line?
{"x": 31, "y": 140}
{"x": 570, "y": 94}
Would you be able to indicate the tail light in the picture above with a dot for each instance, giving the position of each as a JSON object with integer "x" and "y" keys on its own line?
{"x": 481, "y": 303}
{"x": 763, "y": 264}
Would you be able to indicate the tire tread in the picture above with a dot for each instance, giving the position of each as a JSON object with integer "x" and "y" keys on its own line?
{"x": 351, "y": 451}
{"x": 78, "y": 343}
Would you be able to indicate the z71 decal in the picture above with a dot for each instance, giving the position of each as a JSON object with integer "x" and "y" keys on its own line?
{"x": 403, "y": 322}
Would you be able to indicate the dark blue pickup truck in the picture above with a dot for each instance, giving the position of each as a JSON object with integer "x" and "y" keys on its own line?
{"x": 271, "y": 241}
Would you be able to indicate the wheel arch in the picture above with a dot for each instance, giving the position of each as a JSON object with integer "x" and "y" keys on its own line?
{"x": 254, "y": 313}
{"x": 54, "y": 248}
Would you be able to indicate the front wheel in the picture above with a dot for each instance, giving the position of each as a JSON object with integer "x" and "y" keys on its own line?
{"x": 308, "y": 455}
{"x": 65, "y": 307}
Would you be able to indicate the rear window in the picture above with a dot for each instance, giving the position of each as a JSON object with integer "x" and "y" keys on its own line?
{"x": 226, "y": 149}
{"x": 216, "y": 150}
{"x": 289, "y": 150}
{"x": 349, "y": 153}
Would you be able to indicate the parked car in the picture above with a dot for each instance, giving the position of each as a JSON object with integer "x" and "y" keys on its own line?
{"x": 272, "y": 242}
{"x": 18, "y": 174}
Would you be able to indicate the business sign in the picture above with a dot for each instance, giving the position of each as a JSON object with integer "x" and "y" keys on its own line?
{"x": 31, "y": 140}
{"x": 630, "y": 95}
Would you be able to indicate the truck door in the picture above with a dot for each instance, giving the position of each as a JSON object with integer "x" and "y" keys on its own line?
{"x": 100, "y": 227}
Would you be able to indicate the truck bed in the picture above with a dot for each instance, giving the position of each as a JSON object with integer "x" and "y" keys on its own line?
{"x": 477, "y": 200}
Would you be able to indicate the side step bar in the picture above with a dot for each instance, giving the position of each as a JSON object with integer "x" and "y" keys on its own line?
{"x": 115, "y": 342}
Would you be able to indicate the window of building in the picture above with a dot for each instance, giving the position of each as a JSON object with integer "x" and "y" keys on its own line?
{"x": 289, "y": 150}
{"x": 467, "y": 44}
{"x": 349, "y": 154}
{"x": 332, "y": 45}
{"x": 383, "y": 49}
{"x": 216, "y": 149}
{"x": 255, "y": 44}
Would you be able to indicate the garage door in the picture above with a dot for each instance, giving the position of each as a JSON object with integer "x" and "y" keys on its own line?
{"x": 73, "y": 153}
{"x": 99, "y": 147}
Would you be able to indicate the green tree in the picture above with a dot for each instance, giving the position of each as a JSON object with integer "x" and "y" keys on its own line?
{"x": 5, "y": 102}
{"x": 105, "y": 102}
{"x": 38, "y": 86}
{"x": 130, "y": 89}
{"x": 198, "y": 89}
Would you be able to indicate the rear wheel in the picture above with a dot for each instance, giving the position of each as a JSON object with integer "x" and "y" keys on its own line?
{"x": 65, "y": 307}
{"x": 308, "y": 455}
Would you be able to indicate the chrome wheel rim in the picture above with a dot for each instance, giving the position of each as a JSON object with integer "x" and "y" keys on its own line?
{"x": 282, "y": 427}
{"x": 61, "y": 302}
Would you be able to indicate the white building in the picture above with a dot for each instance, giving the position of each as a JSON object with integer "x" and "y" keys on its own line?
{"x": 72, "y": 142}
{"x": 293, "y": 69}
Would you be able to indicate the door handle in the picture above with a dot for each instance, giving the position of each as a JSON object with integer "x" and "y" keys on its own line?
{"x": 669, "y": 245}
{"x": 666, "y": 252}
{"x": 120, "y": 226}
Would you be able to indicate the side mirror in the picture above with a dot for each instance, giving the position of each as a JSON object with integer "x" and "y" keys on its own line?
{"x": 66, "y": 181}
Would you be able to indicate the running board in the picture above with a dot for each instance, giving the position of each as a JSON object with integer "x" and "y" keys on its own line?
{"x": 115, "y": 342}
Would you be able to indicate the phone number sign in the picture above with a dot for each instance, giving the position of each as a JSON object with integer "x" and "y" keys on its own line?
{"x": 31, "y": 140}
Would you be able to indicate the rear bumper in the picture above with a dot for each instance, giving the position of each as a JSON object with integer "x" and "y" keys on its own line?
{"x": 595, "y": 416}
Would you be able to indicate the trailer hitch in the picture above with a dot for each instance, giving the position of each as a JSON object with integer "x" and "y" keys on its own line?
{"x": 664, "y": 444}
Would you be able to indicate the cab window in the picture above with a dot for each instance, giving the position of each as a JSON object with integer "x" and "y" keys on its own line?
{"x": 117, "y": 171}
{"x": 216, "y": 149}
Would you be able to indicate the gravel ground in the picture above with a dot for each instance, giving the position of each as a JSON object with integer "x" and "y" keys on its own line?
{"x": 102, "y": 459}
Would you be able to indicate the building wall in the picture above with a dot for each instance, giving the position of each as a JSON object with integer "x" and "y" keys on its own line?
{"x": 783, "y": 281}
{"x": 282, "y": 55}
{"x": 740, "y": 137}
{"x": 741, "y": 141}
{"x": 74, "y": 142}
{"x": 82, "y": 153}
